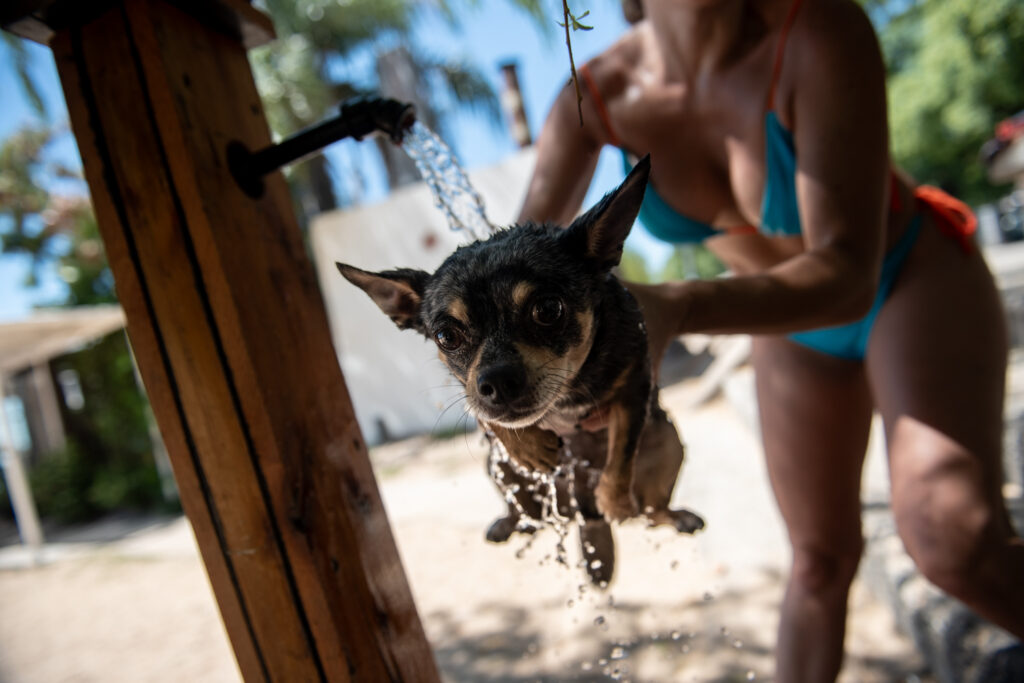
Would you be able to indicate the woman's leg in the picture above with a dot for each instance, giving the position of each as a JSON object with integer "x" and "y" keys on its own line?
{"x": 815, "y": 419}
{"x": 937, "y": 366}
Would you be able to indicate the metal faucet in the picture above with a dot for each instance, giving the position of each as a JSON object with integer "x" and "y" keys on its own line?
{"x": 358, "y": 117}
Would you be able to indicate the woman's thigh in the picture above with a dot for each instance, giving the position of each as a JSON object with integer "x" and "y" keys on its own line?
{"x": 937, "y": 365}
{"x": 815, "y": 419}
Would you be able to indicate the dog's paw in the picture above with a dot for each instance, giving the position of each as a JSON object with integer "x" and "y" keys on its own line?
{"x": 501, "y": 529}
{"x": 614, "y": 499}
{"x": 684, "y": 521}
{"x": 688, "y": 522}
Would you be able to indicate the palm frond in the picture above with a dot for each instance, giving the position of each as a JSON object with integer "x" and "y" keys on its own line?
{"x": 22, "y": 67}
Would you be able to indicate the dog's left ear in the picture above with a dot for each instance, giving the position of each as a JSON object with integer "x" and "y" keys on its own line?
{"x": 607, "y": 223}
{"x": 398, "y": 293}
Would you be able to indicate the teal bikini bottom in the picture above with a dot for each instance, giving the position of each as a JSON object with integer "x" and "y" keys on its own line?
{"x": 851, "y": 340}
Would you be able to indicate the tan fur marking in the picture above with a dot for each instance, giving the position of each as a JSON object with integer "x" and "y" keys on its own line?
{"x": 471, "y": 372}
{"x": 578, "y": 354}
{"x": 540, "y": 362}
{"x": 520, "y": 293}
{"x": 457, "y": 310}
{"x": 452, "y": 369}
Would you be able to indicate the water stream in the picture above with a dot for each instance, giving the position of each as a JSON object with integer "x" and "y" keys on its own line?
{"x": 464, "y": 209}
{"x": 448, "y": 183}
{"x": 465, "y": 212}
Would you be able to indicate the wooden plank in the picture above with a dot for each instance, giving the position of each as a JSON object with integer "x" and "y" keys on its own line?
{"x": 39, "y": 20}
{"x": 232, "y": 343}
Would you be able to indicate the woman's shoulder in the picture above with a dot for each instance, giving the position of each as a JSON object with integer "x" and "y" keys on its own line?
{"x": 612, "y": 69}
{"x": 831, "y": 29}
{"x": 830, "y": 44}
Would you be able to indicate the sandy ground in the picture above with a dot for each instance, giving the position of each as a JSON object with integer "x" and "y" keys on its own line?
{"x": 681, "y": 608}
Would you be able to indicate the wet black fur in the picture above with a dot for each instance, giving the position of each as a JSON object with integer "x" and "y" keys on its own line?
{"x": 552, "y": 260}
{"x": 573, "y": 264}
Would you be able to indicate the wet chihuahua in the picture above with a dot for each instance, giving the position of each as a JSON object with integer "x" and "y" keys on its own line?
{"x": 542, "y": 336}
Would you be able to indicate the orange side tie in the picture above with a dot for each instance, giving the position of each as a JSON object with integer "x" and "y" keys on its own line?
{"x": 954, "y": 218}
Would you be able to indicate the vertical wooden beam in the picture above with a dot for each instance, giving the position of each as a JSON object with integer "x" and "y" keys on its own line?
{"x": 17, "y": 485}
{"x": 50, "y": 435}
{"x": 232, "y": 342}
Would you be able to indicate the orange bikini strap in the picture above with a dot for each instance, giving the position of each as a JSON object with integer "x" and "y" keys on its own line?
{"x": 602, "y": 112}
{"x": 954, "y": 218}
{"x": 780, "y": 50}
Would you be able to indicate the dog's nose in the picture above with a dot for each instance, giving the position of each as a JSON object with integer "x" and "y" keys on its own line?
{"x": 501, "y": 384}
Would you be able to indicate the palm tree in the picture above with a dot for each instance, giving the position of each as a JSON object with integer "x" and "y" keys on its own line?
{"x": 298, "y": 75}
{"x": 21, "y": 60}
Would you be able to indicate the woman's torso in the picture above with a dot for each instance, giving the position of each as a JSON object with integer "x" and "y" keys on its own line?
{"x": 706, "y": 134}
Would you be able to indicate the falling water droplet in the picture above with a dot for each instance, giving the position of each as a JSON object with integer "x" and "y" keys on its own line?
{"x": 453, "y": 194}
{"x": 751, "y": 675}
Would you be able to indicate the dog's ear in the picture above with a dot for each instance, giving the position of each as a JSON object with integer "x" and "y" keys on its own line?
{"x": 604, "y": 227}
{"x": 397, "y": 292}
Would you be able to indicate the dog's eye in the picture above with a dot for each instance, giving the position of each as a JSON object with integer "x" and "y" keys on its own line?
{"x": 547, "y": 311}
{"x": 448, "y": 338}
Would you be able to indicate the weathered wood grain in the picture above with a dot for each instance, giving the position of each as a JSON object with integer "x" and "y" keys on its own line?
{"x": 232, "y": 342}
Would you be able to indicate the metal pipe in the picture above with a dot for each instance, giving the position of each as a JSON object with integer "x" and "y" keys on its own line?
{"x": 358, "y": 118}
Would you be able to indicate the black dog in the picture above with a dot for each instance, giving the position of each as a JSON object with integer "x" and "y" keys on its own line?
{"x": 541, "y": 335}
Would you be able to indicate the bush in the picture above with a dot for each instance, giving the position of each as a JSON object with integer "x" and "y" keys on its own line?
{"x": 107, "y": 464}
{"x": 60, "y": 484}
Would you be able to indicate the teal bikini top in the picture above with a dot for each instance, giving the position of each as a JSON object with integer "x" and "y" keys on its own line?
{"x": 780, "y": 214}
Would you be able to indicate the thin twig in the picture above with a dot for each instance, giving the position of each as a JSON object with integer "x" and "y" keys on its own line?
{"x": 572, "y": 64}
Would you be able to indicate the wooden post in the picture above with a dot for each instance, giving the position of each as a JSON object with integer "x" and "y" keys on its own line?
{"x": 232, "y": 341}
{"x": 24, "y": 505}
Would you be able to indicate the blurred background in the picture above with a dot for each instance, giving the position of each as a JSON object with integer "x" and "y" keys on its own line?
{"x": 482, "y": 75}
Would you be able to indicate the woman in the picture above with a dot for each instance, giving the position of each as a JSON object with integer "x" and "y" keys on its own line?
{"x": 772, "y": 114}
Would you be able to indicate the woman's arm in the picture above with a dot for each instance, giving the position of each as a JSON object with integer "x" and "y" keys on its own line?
{"x": 566, "y": 158}
{"x": 838, "y": 115}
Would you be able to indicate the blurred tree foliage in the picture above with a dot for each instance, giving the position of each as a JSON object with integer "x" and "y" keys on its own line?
{"x": 107, "y": 463}
{"x": 328, "y": 51}
{"x": 52, "y": 228}
{"x": 956, "y": 68}
{"x": 691, "y": 261}
{"x": 633, "y": 266}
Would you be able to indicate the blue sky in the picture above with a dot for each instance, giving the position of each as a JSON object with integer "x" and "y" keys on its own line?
{"x": 491, "y": 34}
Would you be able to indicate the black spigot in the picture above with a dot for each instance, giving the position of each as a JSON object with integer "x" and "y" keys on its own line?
{"x": 358, "y": 118}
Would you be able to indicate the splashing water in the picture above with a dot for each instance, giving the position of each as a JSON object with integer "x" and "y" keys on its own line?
{"x": 542, "y": 486}
{"x": 464, "y": 210}
{"x": 453, "y": 194}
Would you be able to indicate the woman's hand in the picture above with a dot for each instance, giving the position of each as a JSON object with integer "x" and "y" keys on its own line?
{"x": 665, "y": 307}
